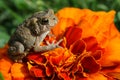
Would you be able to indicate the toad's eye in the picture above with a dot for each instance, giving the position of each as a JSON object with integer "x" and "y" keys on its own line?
{"x": 54, "y": 18}
{"x": 44, "y": 21}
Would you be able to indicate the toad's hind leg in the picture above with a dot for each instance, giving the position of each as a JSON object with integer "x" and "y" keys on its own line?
{"x": 16, "y": 51}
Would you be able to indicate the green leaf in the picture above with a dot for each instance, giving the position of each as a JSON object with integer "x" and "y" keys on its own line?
{"x": 102, "y": 7}
{"x": 20, "y": 4}
{"x": 83, "y": 4}
{"x": 1, "y": 76}
{"x": 13, "y": 30}
{"x": 3, "y": 29}
{"x": 4, "y": 37}
{"x": 118, "y": 15}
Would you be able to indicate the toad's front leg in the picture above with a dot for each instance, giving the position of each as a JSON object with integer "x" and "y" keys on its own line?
{"x": 49, "y": 46}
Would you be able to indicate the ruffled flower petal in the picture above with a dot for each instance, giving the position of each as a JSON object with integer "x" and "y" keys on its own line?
{"x": 72, "y": 13}
{"x": 73, "y": 34}
{"x": 60, "y": 28}
{"x": 88, "y": 62}
{"x": 108, "y": 58}
{"x": 20, "y": 72}
{"x": 78, "y": 47}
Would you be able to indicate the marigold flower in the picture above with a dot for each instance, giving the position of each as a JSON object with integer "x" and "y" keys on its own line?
{"x": 90, "y": 50}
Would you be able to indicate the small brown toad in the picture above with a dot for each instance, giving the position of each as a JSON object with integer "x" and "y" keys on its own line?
{"x": 30, "y": 34}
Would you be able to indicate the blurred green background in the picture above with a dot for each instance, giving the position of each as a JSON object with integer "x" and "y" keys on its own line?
{"x": 13, "y": 12}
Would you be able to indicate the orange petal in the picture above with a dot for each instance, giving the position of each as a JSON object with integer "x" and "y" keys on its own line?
{"x": 55, "y": 56}
{"x": 114, "y": 32}
{"x": 20, "y": 72}
{"x": 111, "y": 55}
{"x": 75, "y": 14}
{"x": 5, "y": 64}
{"x": 56, "y": 60}
{"x": 86, "y": 28}
{"x": 56, "y": 52}
{"x": 99, "y": 24}
{"x": 114, "y": 75}
{"x": 61, "y": 27}
{"x": 97, "y": 76}
{"x": 100, "y": 19}
{"x": 112, "y": 72}
{"x": 63, "y": 43}
{"x": 73, "y": 34}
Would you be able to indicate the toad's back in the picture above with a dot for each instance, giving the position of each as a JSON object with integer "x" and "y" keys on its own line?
{"x": 24, "y": 36}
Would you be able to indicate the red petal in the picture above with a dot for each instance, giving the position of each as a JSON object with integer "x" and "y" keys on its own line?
{"x": 90, "y": 65}
{"x": 49, "y": 69}
{"x": 73, "y": 34}
{"x": 97, "y": 54}
{"x": 80, "y": 76}
{"x": 37, "y": 57}
{"x": 38, "y": 71}
{"x": 64, "y": 76}
{"x": 76, "y": 68}
{"x": 92, "y": 44}
{"x": 59, "y": 29}
{"x": 78, "y": 47}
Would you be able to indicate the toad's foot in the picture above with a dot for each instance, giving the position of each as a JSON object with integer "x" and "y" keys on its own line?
{"x": 55, "y": 45}
{"x": 49, "y": 46}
